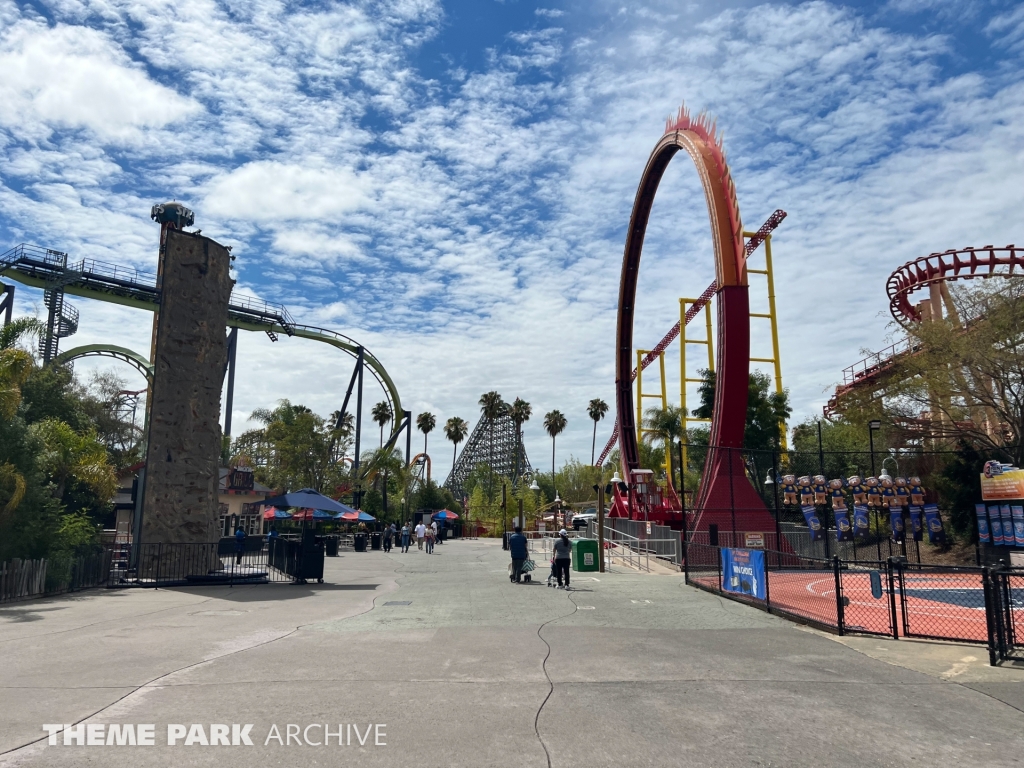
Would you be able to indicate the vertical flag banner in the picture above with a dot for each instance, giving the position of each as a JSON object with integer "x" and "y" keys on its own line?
{"x": 813, "y": 523}
{"x": 1007, "y": 516}
{"x": 843, "y": 530}
{"x": 936, "y": 533}
{"x": 916, "y": 523}
{"x": 996, "y": 524}
{"x": 860, "y": 520}
{"x": 983, "y": 534}
{"x": 1018, "y": 524}
{"x": 743, "y": 572}
{"x": 896, "y": 520}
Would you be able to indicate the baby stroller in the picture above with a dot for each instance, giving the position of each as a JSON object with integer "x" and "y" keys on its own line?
{"x": 552, "y": 575}
{"x": 528, "y": 565}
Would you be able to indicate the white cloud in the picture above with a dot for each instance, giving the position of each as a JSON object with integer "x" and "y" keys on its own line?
{"x": 75, "y": 77}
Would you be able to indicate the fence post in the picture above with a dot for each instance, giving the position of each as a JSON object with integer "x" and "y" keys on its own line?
{"x": 840, "y": 614}
{"x": 892, "y": 599}
{"x": 992, "y": 617}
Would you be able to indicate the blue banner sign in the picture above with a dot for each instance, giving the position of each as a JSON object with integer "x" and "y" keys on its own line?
{"x": 936, "y": 533}
{"x": 1018, "y": 524}
{"x": 860, "y": 520}
{"x": 996, "y": 524}
{"x": 1007, "y": 516}
{"x": 982, "y": 514}
{"x": 743, "y": 572}
{"x": 813, "y": 523}
{"x": 896, "y": 520}
{"x": 844, "y": 532}
{"x": 916, "y": 523}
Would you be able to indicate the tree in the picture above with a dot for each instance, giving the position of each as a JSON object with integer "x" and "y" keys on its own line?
{"x": 767, "y": 412}
{"x": 381, "y": 414}
{"x": 491, "y": 408}
{"x": 67, "y": 455}
{"x": 575, "y": 481}
{"x": 554, "y": 423}
{"x": 425, "y": 422}
{"x": 596, "y": 409}
{"x": 302, "y": 449}
{"x": 520, "y": 412}
{"x": 455, "y": 429}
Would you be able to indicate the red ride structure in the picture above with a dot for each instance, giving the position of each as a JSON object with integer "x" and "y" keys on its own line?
{"x": 726, "y": 497}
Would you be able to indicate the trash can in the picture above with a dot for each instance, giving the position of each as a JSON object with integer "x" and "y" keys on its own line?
{"x": 331, "y": 546}
{"x": 585, "y": 555}
{"x": 375, "y": 539}
{"x": 359, "y": 542}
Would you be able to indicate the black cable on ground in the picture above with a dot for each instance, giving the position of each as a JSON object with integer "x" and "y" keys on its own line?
{"x": 551, "y": 685}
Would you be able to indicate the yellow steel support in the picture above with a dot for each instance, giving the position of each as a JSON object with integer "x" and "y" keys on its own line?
{"x": 640, "y": 395}
{"x": 772, "y": 317}
{"x": 684, "y": 379}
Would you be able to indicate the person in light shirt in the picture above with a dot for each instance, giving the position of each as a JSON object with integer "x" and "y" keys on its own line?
{"x": 421, "y": 532}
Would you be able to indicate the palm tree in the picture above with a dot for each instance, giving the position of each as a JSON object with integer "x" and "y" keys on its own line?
{"x": 426, "y": 423}
{"x": 381, "y": 413}
{"x": 597, "y": 408}
{"x": 520, "y": 412}
{"x": 554, "y": 423}
{"x": 491, "y": 408}
{"x": 666, "y": 425}
{"x": 455, "y": 429}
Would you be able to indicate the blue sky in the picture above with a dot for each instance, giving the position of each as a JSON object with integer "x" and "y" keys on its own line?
{"x": 449, "y": 182}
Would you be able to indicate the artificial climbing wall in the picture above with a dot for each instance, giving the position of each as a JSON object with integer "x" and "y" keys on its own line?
{"x": 180, "y": 502}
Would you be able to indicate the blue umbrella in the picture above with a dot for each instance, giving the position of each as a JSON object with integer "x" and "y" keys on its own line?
{"x": 309, "y": 498}
{"x": 355, "y": 516}
{"x": 445, "y": 514}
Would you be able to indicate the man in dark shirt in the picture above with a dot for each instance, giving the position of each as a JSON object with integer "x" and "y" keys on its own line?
{"x": 518, "y": 549}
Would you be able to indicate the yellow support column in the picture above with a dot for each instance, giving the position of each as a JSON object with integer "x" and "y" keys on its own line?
{"x": 772, "y": 317}
{"x": 684, "y": 379}
{"x": 640, "y": 395}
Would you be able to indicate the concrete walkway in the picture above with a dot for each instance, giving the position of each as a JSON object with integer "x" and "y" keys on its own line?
{"x": 462, "y": 668}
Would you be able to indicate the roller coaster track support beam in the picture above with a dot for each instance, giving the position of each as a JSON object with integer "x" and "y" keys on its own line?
{"x": 357, "y": 376}
{"x": 229, "y": 400}
{"x": 7, "y": 302}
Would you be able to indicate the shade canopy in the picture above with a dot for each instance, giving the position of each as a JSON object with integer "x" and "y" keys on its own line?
{"x": 276, "y": 514}
{"x": 307, "y": 497}
{"x": 312, "y": 514}
{"x": 445, "y": 514}
{"x": 355, "y": 516}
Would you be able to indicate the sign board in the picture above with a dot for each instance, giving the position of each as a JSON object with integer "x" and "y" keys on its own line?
{"x": 743, "y": 572}
{"x": 755, "y": 540}
{"x": 541, "y": 526}
{"x": 588, "y": 558}
{"x": 648, "y": 529}
{"x": 1005, "y": 486}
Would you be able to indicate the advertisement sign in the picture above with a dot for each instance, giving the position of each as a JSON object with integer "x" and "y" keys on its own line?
{"x": 1018, "y": 525}
{"x": 813, "y": 523}
{"x": 999, "y": 484}
{"x": 860, "y": 520}
{"x": 916, "y": 523}
{"x": 844, "y": 531}
{"x": 754, "y": 540}
{"x": 936, "y": 533}
{"x": 995, "y": 524}
{"x": 743, "y": 572}
{"x": 982, "y": 514}
{"x": 1007, "y": 516}
{"x": 896, "y": 521}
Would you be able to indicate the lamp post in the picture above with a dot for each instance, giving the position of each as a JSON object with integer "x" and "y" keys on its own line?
{"x": 558, "y": 510}
{"x": 873, "y": 425}
{"x": 536, "y": 491}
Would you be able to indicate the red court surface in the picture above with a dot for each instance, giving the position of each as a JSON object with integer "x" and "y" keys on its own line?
{"x": 948, "y": 606}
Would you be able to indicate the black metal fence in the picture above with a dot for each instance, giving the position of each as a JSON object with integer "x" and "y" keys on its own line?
{"x": 23, "y": 579}
{"x": 888, "y": 597}
{"x": 222, "y": 562}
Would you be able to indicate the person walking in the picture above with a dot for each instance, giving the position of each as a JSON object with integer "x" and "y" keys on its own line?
{"x": 239, "y": 545}
{"x": 421, "y": 532}
{"x": 519, "y": 550}
{"x": 430, "y": 540}
{"x": 405, "y": 537}
{"x": 433, "y": 526}
{"x": 563, "y": 558}
{"x": 388, "y": 533}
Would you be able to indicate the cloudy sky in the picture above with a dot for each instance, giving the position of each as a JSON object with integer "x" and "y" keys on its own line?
{"x": 450, "y": 182}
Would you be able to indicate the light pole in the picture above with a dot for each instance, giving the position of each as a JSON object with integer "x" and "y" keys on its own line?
{"x": 536, "y": 492}
{"x": 873, "y": 425}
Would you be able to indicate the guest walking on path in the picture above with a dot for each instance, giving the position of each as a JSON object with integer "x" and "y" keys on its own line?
{"x": 430, "y": 540}
{"x": 389, "y": 531}
{"x": 520, "y": 553}
{"x": 563, "y": 558}
{"x": 421, "y": 532}
{"x": 405, "y": 537}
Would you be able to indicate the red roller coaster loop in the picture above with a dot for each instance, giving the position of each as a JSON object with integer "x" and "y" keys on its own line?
{"x": 987, "y": 261}
{"x": 724, "y": 484}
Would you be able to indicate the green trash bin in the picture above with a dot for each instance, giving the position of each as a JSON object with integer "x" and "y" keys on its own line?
{"x": 585, "y": 555}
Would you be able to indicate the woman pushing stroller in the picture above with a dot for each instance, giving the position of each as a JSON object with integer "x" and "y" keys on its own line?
{"x": 561, "y": 560}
